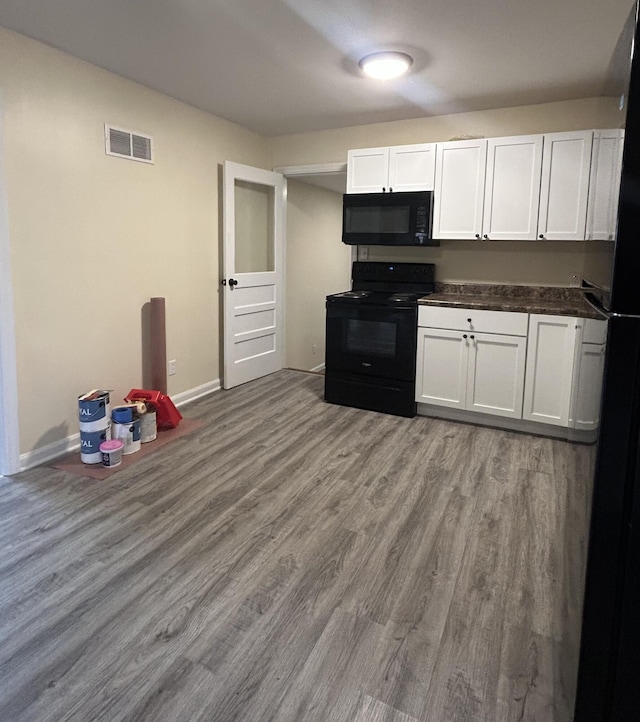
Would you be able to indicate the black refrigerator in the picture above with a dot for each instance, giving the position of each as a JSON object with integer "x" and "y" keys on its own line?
{"x": 609, "y": 669}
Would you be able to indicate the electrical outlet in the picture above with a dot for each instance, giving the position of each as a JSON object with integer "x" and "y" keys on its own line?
{"x": 314, "y": 349}
{"x": 576, "y": 279}
{"x": 171, "y": 367}
{"x": 363, "y": 253}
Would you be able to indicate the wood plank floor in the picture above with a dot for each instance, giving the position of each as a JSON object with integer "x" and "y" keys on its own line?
{"x": 295, "y": 560}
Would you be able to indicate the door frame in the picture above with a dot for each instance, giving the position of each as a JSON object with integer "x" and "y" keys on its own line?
{"x": 9, "y": 435}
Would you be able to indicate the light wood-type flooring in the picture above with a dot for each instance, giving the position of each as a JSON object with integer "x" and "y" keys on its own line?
{"x": 295, "y": 560}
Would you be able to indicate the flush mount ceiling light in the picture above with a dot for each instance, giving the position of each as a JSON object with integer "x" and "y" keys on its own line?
{"x": 386, "y": 66}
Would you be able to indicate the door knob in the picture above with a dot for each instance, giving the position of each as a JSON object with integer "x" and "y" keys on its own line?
{"x": 232, "y": 283}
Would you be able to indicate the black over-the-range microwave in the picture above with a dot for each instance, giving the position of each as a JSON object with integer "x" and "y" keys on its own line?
{"x": 388, "y": 219}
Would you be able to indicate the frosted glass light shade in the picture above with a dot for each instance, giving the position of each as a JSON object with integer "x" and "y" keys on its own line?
{"x": 386, "y": 66}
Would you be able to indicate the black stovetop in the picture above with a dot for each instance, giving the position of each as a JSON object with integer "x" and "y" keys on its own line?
{"x": 379, "y": 298}
{"x": 387, "y": 284}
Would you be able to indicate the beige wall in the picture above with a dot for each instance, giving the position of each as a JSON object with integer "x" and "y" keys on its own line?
{"x": 93, "y": 237}
{"x": 522, "y": 263}
{"x": 318, "y": 263}
{"x": 332, "y": 145}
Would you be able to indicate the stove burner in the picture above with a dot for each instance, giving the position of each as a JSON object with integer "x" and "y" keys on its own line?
{"x": 403, "y": 297}
{"x": 355, "y": 294}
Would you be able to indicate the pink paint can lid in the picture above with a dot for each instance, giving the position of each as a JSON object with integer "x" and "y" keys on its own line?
{"x": 112, "y": 445}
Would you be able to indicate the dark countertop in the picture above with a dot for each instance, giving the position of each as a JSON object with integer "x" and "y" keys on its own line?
{"x": 525, "y": 299}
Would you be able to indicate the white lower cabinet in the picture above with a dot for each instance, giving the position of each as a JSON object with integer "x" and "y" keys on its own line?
{"x": 495, "y": 376}
{"x": 549, "y": 374}
{"x": 589, "y": 387}
{"x": 442, "y": 361}
{"x": 469, "y": 369}
{"x": 540, "y": 368}
{"x": 588, "y": 372}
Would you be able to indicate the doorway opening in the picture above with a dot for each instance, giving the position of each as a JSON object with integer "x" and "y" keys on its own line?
{"x": 317, "y": 262}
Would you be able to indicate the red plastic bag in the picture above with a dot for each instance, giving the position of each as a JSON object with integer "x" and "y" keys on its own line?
{"x": 168, "y": 417}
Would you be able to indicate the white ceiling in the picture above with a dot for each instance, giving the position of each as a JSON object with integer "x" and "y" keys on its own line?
{"x": 285, "y": 66}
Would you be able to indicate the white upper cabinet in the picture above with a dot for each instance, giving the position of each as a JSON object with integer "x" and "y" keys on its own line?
{"x": 459, "y": 189}
{"x": 367, "y": 170}
{"x": 606, "y": 166}
{"x": 398, "y": 168}
{"x": 488, "y": 189}
{"x": 412, "y": 167}
{"x": 512, "y": 189}
{"x": 564, "y": 191}
{"x": 556, "y": 187}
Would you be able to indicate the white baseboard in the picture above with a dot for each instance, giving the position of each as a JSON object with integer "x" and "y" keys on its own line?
{"x": 316, "y": 369}
{"x": 56, "y": 449}
{"x": 49, "y": 452}
{"x": 186, "y": 397}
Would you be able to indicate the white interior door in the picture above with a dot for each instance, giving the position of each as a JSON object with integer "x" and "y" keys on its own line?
{"x": 253, "y": 281}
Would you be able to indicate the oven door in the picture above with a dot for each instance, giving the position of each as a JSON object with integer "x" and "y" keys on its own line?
{"x": 372, "y": 341}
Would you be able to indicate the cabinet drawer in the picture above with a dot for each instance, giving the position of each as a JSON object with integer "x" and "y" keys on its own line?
{"x": 480, "y": 320}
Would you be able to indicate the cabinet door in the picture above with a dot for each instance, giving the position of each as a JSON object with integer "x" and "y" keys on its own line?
{"x": 441, "y": 370}
{"x": 604, "y": 187}
{"x": 566, "y": 162}
{"x": 459, "y": 189}
{"x": 548, "y": 377}
{"x": 589, "y": 386}
{"x": 512, "y": 190}
{"x": 368, "y": 170}
{"x": 412, "y": 167}
{"x": 495, "y": 381}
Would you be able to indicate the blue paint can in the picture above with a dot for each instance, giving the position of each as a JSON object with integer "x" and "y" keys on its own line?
{"x": 90, "y": 445}
{"x": 122, "y": 414}
{"x": 93, "y": 412}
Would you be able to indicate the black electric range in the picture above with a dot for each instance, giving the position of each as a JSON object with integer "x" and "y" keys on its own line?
{"x": 371, "y": 337}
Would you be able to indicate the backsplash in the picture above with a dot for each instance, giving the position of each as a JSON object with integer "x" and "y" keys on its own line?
{"x": 525, "y": 263}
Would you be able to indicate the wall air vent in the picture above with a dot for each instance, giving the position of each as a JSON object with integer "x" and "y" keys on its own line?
{"x": 126, "y": 144}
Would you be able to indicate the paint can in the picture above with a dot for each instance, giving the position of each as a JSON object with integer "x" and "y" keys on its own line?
{"x": 129, "y": 434}
{"x": 90, "y": 445}
{"x": 148, "y": 425}
{"x": 122, "y": 415}
{"x": 111, "y": 452}
{"x": 93, "y": 411}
